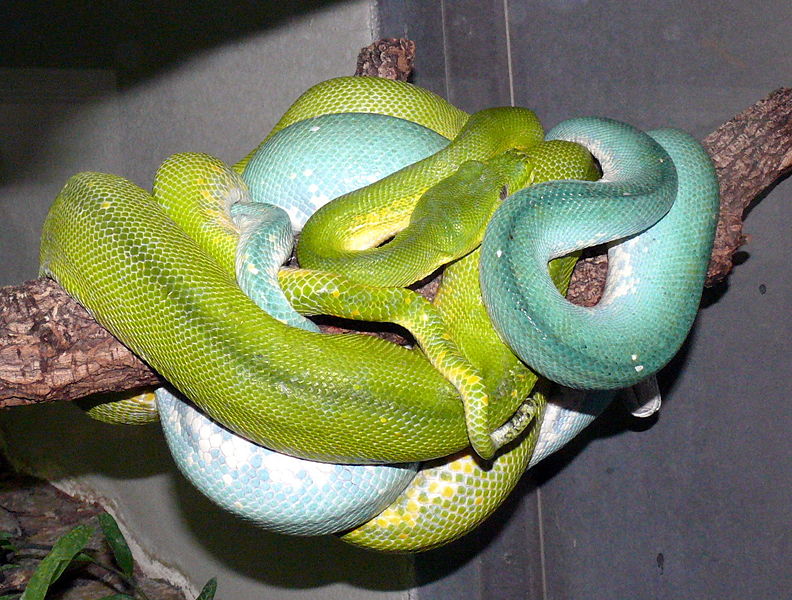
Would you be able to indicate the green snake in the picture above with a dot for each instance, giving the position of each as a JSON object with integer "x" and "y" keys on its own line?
{"x": 160, "y": 272}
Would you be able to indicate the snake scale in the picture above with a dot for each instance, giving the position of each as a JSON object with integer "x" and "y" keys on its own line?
{"x": 393, "y": 448}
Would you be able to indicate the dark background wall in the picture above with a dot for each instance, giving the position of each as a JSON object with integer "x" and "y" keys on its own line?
{"x": 694, "y": 503}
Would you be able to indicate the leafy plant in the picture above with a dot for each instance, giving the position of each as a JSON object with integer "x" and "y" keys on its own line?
{"x": 54, "y": 564}
{"x": 70, "y": 550}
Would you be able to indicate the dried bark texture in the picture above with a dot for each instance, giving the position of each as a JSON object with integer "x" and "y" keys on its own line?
{"x": 391, "y": 58}
{"x": 51, "y": 349}
{"x": 588, "y": 278}
{"x": 751, "y": 152}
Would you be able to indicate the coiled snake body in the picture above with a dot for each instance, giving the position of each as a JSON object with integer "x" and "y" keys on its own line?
{"x": 160, "y": 271}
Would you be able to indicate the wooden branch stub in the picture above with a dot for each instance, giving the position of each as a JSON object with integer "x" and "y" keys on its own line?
{"x": 751, "y": 152}
{"x": 391, "y": 58}
{"x": 52, "y": 349}
{"x": 588, "y": 279}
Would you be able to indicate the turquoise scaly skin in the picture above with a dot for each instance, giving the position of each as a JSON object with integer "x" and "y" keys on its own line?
{"x": 344, "y": 399}
{"x": 656, "y": 271}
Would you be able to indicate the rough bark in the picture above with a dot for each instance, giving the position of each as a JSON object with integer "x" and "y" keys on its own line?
{"x": 51, "y": 349}
{"x": 751, "y": 152}
{"x": 391, "y": 58}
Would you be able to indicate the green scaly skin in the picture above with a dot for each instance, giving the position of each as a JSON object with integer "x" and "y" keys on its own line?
{"x": 259, "y": 396}
{"x": 322, "y": 397}
{"x": 341, "y": 237}
{"x": 370, "y": 95}
{"x": 463, "y": 489}
{"x": 113, "y": 248}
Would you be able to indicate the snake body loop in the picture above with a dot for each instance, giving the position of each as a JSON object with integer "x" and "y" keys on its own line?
{"x": 655, "y": 273}
{"x": 161, "y": 272}
{"x": 275, "y": 491}
{"x": 341, "y": 235}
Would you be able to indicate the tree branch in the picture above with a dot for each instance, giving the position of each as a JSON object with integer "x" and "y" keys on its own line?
{"x": 51, "y": 348}
{"x": 751, "y": 152}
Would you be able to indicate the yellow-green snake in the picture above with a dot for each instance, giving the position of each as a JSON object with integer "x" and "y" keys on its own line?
{"x": 160, "y": 271}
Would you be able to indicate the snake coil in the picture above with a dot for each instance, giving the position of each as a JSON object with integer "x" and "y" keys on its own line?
{"x": 393, "y": 448}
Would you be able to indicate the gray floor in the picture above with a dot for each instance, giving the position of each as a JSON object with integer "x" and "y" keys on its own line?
{"x": 693, "y": 504}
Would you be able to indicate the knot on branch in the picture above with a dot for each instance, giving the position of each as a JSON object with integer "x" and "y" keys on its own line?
{"x": 391, "y": 58}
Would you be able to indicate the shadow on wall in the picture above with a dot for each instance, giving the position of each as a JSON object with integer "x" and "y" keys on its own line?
{"x": 273, "y": 558}
{"x": 616, "y": 419}
{"x": 61, "y": 112}
{"x": 136, "y": 40}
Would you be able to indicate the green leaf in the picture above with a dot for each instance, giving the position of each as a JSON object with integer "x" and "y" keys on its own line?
{"x": 6, "y": 543}
{"x": 10, "y": 597}
{"x": 83, "y": 557}
{"x": 54, "y": 564}
{"x": 121, "y": 551}
{"x": 208, "y": 591}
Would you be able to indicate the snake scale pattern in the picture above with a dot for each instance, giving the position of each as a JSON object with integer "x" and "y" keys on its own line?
{"x": 392, "y": 448}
